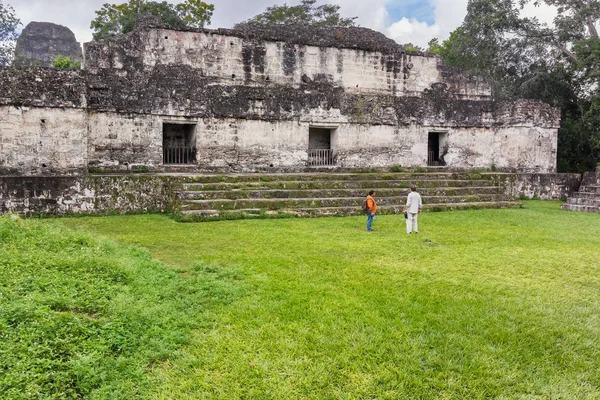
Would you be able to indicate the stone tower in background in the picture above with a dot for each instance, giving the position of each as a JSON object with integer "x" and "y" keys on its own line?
{"x": 41, "y": 42}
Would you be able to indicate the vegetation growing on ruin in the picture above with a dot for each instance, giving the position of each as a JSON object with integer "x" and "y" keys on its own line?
{"x": 65, "y": 62}
{"x": 480, "y": 304}
{"x": 113, "y": 19}
{"x": 305, "y": 13}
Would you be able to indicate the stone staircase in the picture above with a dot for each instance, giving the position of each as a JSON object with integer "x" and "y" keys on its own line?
{"x": 586, "y": 199}
{"x": 233, "y": 196}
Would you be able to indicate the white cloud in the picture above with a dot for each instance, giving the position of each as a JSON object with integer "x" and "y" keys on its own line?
{"x": 412, "y": 31}
{"x": 447, "y": 16}
{"x": 371, "y": 14}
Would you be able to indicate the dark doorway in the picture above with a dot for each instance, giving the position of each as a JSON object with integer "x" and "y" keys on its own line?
{"x": 435, "y": 143}
{"x": 320, "y": 152}
{"x": 179, "y": 143}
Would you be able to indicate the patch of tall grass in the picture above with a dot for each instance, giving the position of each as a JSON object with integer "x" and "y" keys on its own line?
{"x": 87, "y": 318}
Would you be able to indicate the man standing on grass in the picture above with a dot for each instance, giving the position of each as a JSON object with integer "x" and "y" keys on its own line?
{"x": 371, "y": 209}
{"x": 412, "y": 210}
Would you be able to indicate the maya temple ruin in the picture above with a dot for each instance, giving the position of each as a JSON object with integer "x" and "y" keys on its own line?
{"x": 274, "y": 99}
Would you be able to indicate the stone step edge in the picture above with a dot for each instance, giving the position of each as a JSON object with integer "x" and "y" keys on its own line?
{"x": 342, "y": 175}
{"x": 584, "y": 202}
{"x": 276, "y": 199}
{"x": 586, "y": 194}
{"x": 333, "y": 181}
{"x": 334, "y": 190}
{"x": 580, "y": 207}
{"x": 396, "y": 208}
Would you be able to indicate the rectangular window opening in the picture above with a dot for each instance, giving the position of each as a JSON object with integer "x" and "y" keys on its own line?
{"x": 179, "y": 143}
{"x": 436, "y": 148}
{"x": 320, "y": 153}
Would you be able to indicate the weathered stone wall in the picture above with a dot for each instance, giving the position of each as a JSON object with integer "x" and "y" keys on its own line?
{"x": 525, "y": 149}
{"x": 60, "y": 195}
{"x": 42, "y": 87}
{"x": 240, "y": 61}
{"x": 270, "y": 58}
{"x": 591, "y": 178}
{"x": 253, "y": 95}
{"x": 41, "y": 140}
{"x": 543, "y": 186}
{"x": 119, "y": 141}
{"x": 135, "y": 193}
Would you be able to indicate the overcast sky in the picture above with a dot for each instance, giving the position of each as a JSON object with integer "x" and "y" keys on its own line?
{"x": 406, "y": 21}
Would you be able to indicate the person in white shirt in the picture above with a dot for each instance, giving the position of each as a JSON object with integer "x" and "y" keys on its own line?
{"x": 413, "y": 208}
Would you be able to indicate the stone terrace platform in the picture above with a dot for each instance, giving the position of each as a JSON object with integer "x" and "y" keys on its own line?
{"x": 208, "y": 197}
{"x": 331, "y": 194}
{"x": 587, "y": 199}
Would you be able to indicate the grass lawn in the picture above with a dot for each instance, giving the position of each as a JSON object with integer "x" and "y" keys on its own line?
{"x": 481, "y": 304}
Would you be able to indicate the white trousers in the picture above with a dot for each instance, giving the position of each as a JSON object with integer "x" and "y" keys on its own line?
{"x": 411, "y": 223}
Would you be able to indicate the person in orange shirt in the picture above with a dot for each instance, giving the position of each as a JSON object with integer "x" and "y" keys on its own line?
{"x": 371, "y": 209}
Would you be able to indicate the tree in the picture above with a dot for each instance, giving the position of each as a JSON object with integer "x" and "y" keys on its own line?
{"x": 412, "y": 47}
{"x": 557, "y": 63}
{"x": 306, "y": 13}
{"x": 8, "y": 33}
{"x": 113, "y": 19}
{"x": 434, "y": 46}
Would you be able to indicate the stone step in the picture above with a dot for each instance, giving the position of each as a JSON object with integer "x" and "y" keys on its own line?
{"x": 262, "y": 177}
{"x": 388, "y": 210}
{"x": 200, "y": 215}
{"x": 317, "y": 184}
{"x": 579, "y": 207}
{"x": 590, "y": 189}
{"x": 275, "y": 204}
{"x": 584, "y": 201}
{"x": 586, "y": 195}
{"x": 316, "y": 193}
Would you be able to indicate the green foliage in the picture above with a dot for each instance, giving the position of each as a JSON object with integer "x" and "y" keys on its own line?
{"x": 84, "y": 318}
{"x": 306, "y": 13}
{"x": 525, "y": 58}
{"x": 140, "y": 169}
{"x": 587, "y": 52}
{"x": 434, "y": 47}
{"x": 488, "y": 304}
{"x": 9, "y": 24}
{"x": 397, "y": 168}
{"x": 411, "y": 47}
{"x": 456, "y": 51}
{"x": 114, "y": 19}
{"x": 62, "y": 62}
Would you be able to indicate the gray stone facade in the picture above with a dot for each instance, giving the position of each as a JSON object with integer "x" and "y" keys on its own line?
{"x": 248, "y": 99}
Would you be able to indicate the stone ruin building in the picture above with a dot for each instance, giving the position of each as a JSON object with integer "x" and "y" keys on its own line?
{"x": 254, "y": 99}
{"x": 276, "y": 98}
{"x": 41, "y": 42}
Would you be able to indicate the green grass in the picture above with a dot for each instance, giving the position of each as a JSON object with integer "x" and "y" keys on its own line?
{"x": 500, "y": 304}
{"x": 85, "y": 318}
